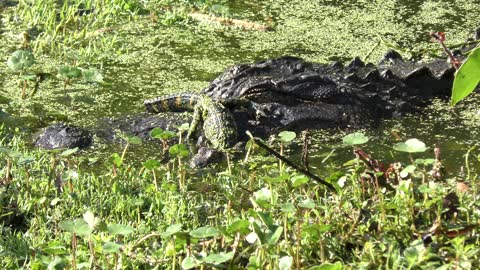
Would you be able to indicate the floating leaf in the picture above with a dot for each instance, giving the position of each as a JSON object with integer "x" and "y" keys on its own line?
{"x": 467, "y": 77}
{"x": 411, "y": 146}
{"x": 355, "y": 138}
{"x": 21, "y": 60}
{"x": 204, "y": 232}
{"x": 119, "y": 229}
{"x": 287, "y": 136}
{"x": 69, "y": 72}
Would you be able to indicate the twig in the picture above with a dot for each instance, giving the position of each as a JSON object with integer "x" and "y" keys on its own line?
{"x": 290, "y": 163}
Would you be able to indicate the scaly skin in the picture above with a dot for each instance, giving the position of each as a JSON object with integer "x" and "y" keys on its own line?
{"x": 218, "y": 123}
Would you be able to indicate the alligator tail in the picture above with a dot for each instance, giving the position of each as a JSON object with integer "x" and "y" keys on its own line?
{"x": 172, "y": 103}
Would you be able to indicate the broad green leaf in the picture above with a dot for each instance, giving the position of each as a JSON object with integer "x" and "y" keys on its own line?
{"x": 69, "y": 72}
{"x": 172, "y": 229}
{"x": 178, "y": 150}
{"x": 328, "y": 266}
{"x": 288, "y": 208}
{"x": 219, "y": 258}
{"x": 69, "y": 152}
{"x": 285, "y": 262}
{"x": 308, "y": 203}
{"x": 92, "y": 75}
{"x": 78, "y": 226}
{"x": 57, "y": 264}
{"x": 355, "y": 138}
{"x": 287, "y": 136}
{"x": 407, "y": 170}
{"x": 115, "y": 159}
{"x": 111, "y": 247}
{"x": 204, "y": 232}
{"x": 467, "y": 77}
{"x": 273, "y": 239}
{"x": 239, "y": 226}
{"x": 411, "y": 146}
{"x": 119, "y": 229}
{"x": 20, "y": 60}
{"x": 189, "y": 263}
{"x": 161, "y": 134}
{"x": 151, "y": 164}
{"x": 299, "y": 180}
{"x": 25, "y": 160}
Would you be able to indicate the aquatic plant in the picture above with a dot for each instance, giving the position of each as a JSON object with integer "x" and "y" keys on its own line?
{"x": 21, "y": 60}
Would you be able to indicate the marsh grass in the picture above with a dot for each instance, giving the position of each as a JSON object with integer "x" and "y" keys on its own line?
{"x": 259, "y": 215}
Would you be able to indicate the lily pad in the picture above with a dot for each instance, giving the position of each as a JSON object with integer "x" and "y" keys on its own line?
{"x": 411, "y": 146}
{"x": 20, "y": 60}
{"x": 355, "y": 138}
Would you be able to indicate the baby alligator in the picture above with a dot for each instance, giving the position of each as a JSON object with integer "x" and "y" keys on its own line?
{"x": 218, "y": 123}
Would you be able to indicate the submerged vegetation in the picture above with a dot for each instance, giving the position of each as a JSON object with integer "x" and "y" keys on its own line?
{"x": 73, "y": 210}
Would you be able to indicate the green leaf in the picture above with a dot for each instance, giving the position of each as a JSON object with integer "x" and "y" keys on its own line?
{"x": 299, "y": 180}
{"x": 285, "y": 262}
{"x": 69, "y": 152}
{"x": 161, "y": 134}
{"x": 111, "y": 247}
{"x": 151, "y": 164}
{"x": 355, "y": 138}
{"x": 78, "y": 226}
{"x": 411, "y": 146}
{"x": 273, "y": 239}
{"x": 219, "y": 258}
{"x": 328, "y": 266}
{"x": 57, "y": 264}
{"x": 69, "y": 72}
{"x": 189, "y": 263}
{"x": 178, "y": 150}
{"x": 116, "y": 160}
{"x": 92, "y": 75}
{"x": 20, "y": 60}
{"x": 204, "y": 232}
{"x": 287, "y": 136}
{"x": 467, "y": 77}
{"x": 91, "y": 220}
{"x": 239, "y": 226}
{"x": 288, "y": 208}
{"x": 407, "y": 170}
{"x": 308, "y": 203}
{"x": 172, "y": 229}
{"x": 119, "y": 229}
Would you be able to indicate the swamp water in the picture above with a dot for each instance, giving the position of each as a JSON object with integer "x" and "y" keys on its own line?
{"x": 151, "y": 59}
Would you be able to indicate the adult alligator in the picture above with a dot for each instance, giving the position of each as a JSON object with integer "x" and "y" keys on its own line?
{"x": 290, "y": 93}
